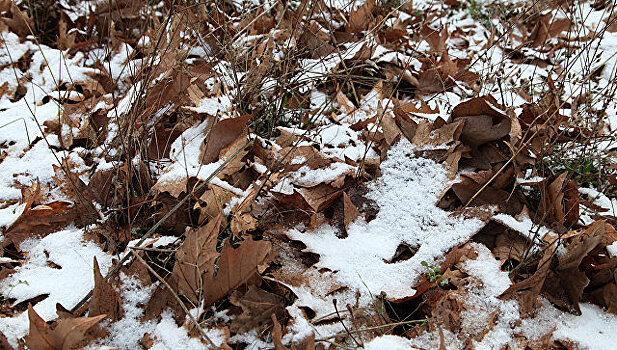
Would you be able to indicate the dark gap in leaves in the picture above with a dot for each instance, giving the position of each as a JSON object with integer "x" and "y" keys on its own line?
{"x": 403, "y": 252}
{"x": 307, "y": 258}
{"x": 405, "y": 311}
{"x": 23, "y": 306}
{"x": 310, "y": 314}
{"x": 509, "y": 265}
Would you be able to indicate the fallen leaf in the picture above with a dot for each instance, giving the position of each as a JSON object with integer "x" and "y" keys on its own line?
{"x": 559, "y": 201}
{"x": 527, "y": 291}
{"x": 222, "y": 134}
{"x": 350, "y": 210}
{"x": 485, "y": 120}
{"x": 564, "y": 286}
{"x": 319, "y": 197}
{"x": 195, "y": 258}
{"x": 236, "y": 266}
{"x": 360, "y": 18}
{"x": 105, "y": 299}
{"x": 257, "y": 307}
{"x": 42, "y": 220}
{"x": 436, "y": 39}
{"x": 62, "y": 334}
{"x": 277, "y": 334}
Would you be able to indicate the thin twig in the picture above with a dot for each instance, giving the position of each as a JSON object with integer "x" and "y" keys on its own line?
{"x": 197, "y": 325}
{"x": 162, "y": 220}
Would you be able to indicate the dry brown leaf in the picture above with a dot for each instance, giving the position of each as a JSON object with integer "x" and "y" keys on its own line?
{"x": 286, "y": 139}
{"x": 391, "y": 130}
{"x": 242, "y": 223}
{"x": 236, "y": 266}
{"x": 222, "y": 134}
{"x": 65, "y": 40}
{"x": 211, "y": 203}
{"x": 257, "y": 307}
{"x": 564, "y": 286}
{"x": 559, "y": 202}
{"x": 17, "y": 21}
{"x": 31, "y": 195}
{"x": 468, "y": 189}
{"x": 277, "y": 334}
{"x": 360, "y": 18}
{"x": 64, "y": 334}
{"x": 4, "y": 342}
{"x": 42, "y": 220}
{"x": 436, "y": 39}
{"x": 351, "y": 212}
{"x": 344, "y": 102}
{"x": 546, "y": 29}
{"x": 527, "y": 291}
{"x": 195, "y": 258}
{"x": 105, "y": 299}
{"x": 446, "y": 134}
{"x": 312, "y": 158}
{"x": 73, "y": 187}
{"x": 319, "y": 197}
{"x": 485, "y": 120}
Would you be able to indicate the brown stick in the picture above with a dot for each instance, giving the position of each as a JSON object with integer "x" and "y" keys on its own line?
{"x": 161, "y": 221}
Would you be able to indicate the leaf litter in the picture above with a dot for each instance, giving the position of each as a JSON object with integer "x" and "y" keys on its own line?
{"x": 308, "y": 175}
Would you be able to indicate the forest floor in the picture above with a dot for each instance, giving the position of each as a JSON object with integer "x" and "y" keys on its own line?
{"x": 317, "y": 174}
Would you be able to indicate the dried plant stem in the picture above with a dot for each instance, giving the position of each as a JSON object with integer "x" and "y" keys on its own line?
{"x": 162, "y": 220}
{"x": 176, "y": 296}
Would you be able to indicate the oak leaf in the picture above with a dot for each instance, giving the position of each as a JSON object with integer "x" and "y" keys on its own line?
{"x": 236, "y": 267}
{"x": 195, "y": 258}
{"x": 221, "y": 136}
{"x": 105, "y": 299}
{"x": 63, "y": 334}
{"x": 257, "y": 306}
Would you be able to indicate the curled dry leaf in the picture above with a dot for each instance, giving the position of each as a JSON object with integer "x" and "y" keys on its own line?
{"x": 277, "y": 334}
{"x": 360, "y": 18}
{"x": 221, "y": 136}
{"x": 526, "y": 292}
{"x": 564, "y": 286}
{"x": 64, "y": 334}
{"x": 559, "y": 202}
{"x": 31, "y": 195}
{"x": 485, "y": 120}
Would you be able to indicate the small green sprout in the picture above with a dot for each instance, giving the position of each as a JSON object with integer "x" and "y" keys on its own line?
{"x": 433, "y": 273}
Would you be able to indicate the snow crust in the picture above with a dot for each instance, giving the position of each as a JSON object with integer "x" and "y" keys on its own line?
{"x": 59, "y": 265}
{"x": 406, "y": 195}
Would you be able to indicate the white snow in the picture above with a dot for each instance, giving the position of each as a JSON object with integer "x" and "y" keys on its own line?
{"x": 406, "y": 195}
{"x": 387, "y": 341}
{"x": 66, "y": 285}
